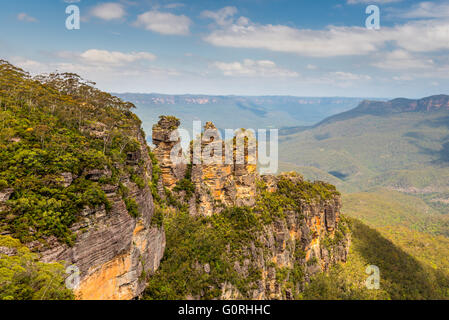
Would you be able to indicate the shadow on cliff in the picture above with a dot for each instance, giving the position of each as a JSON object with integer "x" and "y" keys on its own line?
{"x": 441, "y": 157}
{"x": 402, "y": 276}
{"x": 435, "y": 123}
{"x": 444, "y": 153}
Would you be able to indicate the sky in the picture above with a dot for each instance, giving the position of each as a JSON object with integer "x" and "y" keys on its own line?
{"x": 246, "y": 47}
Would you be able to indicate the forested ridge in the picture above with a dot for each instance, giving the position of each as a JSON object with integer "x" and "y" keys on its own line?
{"x": 54, "y": 127}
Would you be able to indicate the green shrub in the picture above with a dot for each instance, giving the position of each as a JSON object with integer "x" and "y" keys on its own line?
{"x": 23, "y": 277}
{"x": 132, "y": 207}
{"x": 3, "y": 184}
{"x": 140, "y": 182}
{"x": 202, "y": 240}
{"x": 158, "y": 217}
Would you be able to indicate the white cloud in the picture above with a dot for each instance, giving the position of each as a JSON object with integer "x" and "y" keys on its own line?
{"x": 92, "y": 63}
{"x": 339, "y": 79}
{"x": 25, "y": 17}
{"x": 222, "y": 17}
{"x": 336, "y": 41}
{"x": 425, "y": 10}
{"x": 421, "y": 36}
{"x": 417, "y": 36}
{"x": 348, "y": 76}
{"x": 251, "y": 68}
{"x": 400, "y": 59}
{"x": 108, "y": 11}
{"x": 108, "y": 74}
{"x": 164, "y": 23}
{"x": 114, "y": 57}
{"x": 29, "y": 65}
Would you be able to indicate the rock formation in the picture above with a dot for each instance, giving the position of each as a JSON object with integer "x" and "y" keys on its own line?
{"x": 305, "y": 242}
{"x": 4, "y": 196}
{"x": 219, "y": 181}
{"x": 307, "y": 238}
{"x": 165, "y": 138}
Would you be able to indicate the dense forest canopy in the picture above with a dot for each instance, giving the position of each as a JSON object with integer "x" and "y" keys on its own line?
{"x": 53, "y": 125}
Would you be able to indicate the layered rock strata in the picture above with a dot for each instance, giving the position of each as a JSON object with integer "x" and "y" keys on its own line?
{"x": 114, "y": 252}
{"x": 223, "y": 175}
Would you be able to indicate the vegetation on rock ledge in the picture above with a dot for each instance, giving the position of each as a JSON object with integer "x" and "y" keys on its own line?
{"x": 202, "y": 252}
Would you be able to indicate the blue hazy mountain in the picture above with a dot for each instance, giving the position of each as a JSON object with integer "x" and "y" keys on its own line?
{"x": 238, "y": 111}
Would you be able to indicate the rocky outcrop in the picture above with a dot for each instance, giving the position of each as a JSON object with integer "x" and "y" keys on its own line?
{"x": 293, "y": 248}
{"x": 114, "y": 251}
{"x": 245, "y": 167}
{"x": 165, "y": 138}
{"x": 306, "y": 238}
{"x": 4, "y": 196}
{"x": 219, "y": 180}
{"x": 290, "y": 250}
{"x": 212, "y": 177}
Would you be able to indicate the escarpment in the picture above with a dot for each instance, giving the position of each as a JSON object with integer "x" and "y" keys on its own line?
{"x": 114, "y": 251}
{"x": 75, "y": 177}
{"x": 269, "y": 234}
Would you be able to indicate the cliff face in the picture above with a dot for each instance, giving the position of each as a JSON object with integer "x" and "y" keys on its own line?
{"x": 428, "y": 104}
{"x": 165, "y": 138}
{"x": 114, "y": 251}
{"x": 299, "y": 229}
{"x": 293, "y": 248}
{"x": 75, "y": 175}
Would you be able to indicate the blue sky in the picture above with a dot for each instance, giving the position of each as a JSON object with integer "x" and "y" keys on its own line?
{"x": 246, "y": 47}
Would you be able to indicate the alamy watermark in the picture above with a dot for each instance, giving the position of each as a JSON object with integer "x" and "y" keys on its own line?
{"x": 373, "y": 281}
{"x": 373, "y": 20}
{"x": 73, "y": 279}
{"x": 73, "y": 21}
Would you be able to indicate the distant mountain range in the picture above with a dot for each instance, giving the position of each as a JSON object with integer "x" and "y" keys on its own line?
{"x": 381, "y": 108}
{"x": 239, "y": 111}
{"x": 400, "y": 145}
